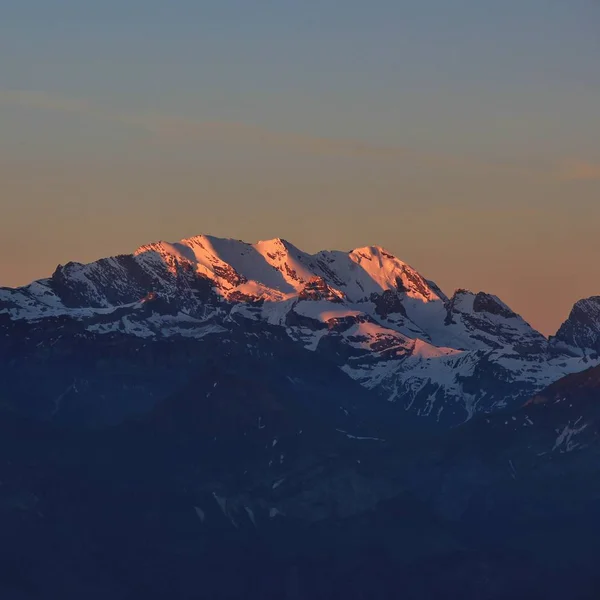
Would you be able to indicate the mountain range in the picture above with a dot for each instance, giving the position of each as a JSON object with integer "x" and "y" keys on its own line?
{"x": 441, "y": 358}
{"x": 214, "y": 420}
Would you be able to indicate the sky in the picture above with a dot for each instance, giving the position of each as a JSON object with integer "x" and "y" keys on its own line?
{"x": 462, "y": 136}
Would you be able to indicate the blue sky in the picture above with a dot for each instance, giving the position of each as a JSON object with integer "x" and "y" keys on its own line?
{"x": 493, "y": 102}
{"x": 486, "y": 76}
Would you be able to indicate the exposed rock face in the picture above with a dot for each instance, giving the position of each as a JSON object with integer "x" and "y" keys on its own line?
{"x": 388, "y": 303}
{"x": 317, "y": 289}
{"x": 581, "y": 331}
{"x": 487, "y": 320}
{"x": 490, "y": 304}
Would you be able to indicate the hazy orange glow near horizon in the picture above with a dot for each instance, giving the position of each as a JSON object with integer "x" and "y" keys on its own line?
{"x": 465, "y": 139}
{"x": 539, "y": 257}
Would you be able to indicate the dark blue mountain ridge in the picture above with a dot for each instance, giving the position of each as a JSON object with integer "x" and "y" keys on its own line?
{"x": 251, "y": 492}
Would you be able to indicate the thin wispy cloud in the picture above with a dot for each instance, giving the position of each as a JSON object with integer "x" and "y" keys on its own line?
{"x": 580, "y": 170}
{"x": 58, "y": 103}
{"x": 44, "y": 101}
{"x": 182, "y": 130}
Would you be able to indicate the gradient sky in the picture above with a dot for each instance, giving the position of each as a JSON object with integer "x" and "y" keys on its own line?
{"x": 463, "y": 136}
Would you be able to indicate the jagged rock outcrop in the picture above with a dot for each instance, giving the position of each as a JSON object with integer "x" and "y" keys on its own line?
{"x": 580, "y": 333}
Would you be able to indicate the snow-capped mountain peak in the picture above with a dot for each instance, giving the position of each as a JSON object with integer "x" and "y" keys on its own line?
{"x": 276, "y": 269}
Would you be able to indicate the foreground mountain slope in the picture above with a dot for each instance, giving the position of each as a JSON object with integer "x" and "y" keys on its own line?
{"x": 365, "y": 311}
{"x": 247, "y": 489}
